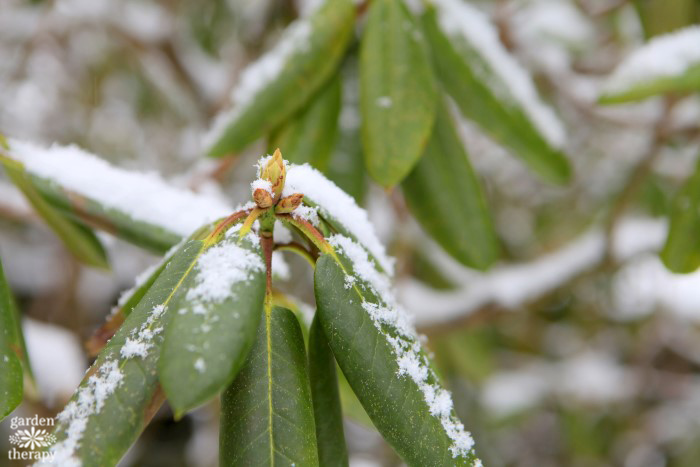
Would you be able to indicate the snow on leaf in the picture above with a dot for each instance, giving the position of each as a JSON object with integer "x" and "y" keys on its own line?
{"x": 142, "y": 196}
{"x": 336, "y": 204}
{"x": 460, "y": 20}
{"x": 89, "y": 400}
{"x": 396, "y": 326}
{"x": 258, "y": 75}
{"x": 665, "y": 56}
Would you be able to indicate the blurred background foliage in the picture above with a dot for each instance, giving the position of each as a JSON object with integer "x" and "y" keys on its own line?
{"x": 578, "y": 347}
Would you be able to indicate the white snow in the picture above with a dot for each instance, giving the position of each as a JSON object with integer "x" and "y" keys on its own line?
{"x": 394, "y": 323}
{"x": 384, "y": 102}
{"x": 144, "y": 197}
{"x": 219, "y": 268}
{"x": 260, "y": 184}
{"x": 307, "y": 213}
{"x": 510, "y": 286}
{"x": 664, "y": 56}
{"x": 461, "y": 20}
{"x": 89, "y": 400}
{"x": 336, "y": 204}
{"x": 258, "y": 75}
{"x": 140, "y": 340}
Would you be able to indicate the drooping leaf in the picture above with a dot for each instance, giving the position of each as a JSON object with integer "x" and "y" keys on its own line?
{"x": 138, "y": 207}
{"x": 11, "y": 352}
{"x": 79, "y": 239}
{"x": 379, "y": 354}
{"x": 666, "y": 64}
{"x": 121, "y": 393}
{"x": 284, "y": 79}
{"x": 503, "y": 102}
{"x": 310, "y": 135}
{"x": 207, "y": 341}
{"x": 444, "y": 194}
{"x": 267, "y": 415}
{"x": 681, "y": 253}
{"x": 328, "y": 414}
{"x": 397, "y": 92}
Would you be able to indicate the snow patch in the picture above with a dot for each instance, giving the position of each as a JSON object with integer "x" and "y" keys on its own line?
{"x": 460, "y": 19}
{"x": 338, "y": 205}
{"x": 144, "y": 197}
{"x": 664, "y": 56}
{"x": 88, "y": 401}
{"x": 257, "y": 76}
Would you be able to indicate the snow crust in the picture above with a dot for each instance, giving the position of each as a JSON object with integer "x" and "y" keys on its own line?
{"x": 664, "y": 56}
{"x": 144, "y": 197}
{"x": 336, "y": 204}
{"x": 462, "y": 20}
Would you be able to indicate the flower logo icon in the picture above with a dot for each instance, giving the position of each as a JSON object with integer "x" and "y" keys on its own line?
{"x": 32, "y": 438}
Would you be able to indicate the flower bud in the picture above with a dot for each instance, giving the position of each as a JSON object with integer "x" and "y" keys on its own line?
{"x": 274, "y": 171}
{"x": 289, "y": 203}
{"x": 262, "y": 198}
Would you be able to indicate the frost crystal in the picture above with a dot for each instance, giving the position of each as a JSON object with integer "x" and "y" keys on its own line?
{"x": 393, "y": 322}
{"x": 460, "y": 19}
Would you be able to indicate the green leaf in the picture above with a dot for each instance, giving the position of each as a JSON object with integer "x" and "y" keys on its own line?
{"x": 127, "y": 302}
{"x": 687, "y": 81}
{"x": 446, "y": 198}
{"x": 467, "y": 76}
{"x": 310, "y": 135}
{"x": 346, "y": 167}
{"x": 11, "y": 352}
{"x": 326, "y": 400}
{"x": 207, "y": 341}
{"x": 49, "y": 194}
{"x": 79, "y": 239}
{"x": 121, "y": 393}
{"x": 267, "y": 416}
{"x": 381, "y": 359}
{"x": 397, "y": 92}
{"x": 309, "y": 53}
{"x": 681, "y": 253}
